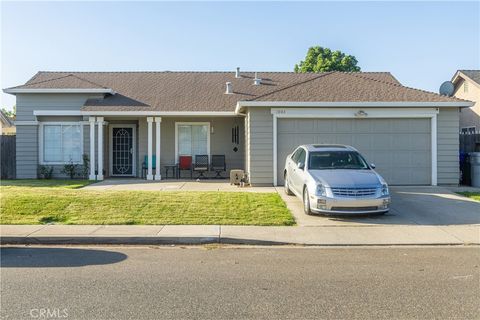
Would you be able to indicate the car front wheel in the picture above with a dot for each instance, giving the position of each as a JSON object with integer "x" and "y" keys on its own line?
{"x": 306, "y": 202}
{"x": 287, "y": 186}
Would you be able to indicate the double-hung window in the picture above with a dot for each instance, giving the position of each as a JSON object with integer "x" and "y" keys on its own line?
{"x": 61, "y": 143}
{"x": 192, "y": 139}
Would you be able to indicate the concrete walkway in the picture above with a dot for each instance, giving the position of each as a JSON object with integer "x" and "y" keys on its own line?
{"x": 193, "y": 234}
{"x": 171, "y": 185}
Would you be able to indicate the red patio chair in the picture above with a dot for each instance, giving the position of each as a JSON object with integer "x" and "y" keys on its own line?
{"x": 185, "y": 163}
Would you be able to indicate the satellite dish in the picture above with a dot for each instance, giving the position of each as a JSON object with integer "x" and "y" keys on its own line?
{"x": 447, "y": 88}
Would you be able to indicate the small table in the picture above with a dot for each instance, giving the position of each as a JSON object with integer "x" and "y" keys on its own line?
{"x": 174, "y": 169}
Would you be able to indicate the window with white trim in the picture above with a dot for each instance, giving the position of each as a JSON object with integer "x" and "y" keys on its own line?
{"x": 62, "y": 143}
{"x": 192, "y": 139}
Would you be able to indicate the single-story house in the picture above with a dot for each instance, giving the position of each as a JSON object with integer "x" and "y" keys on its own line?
{"x": 467, "y": 86}
{"x": 254, "y": 119}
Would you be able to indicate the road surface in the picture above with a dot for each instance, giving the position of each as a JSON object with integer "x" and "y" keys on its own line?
{"x": 240, "y": 283}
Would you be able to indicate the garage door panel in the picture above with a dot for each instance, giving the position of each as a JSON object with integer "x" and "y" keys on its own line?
{"x": 363, "y": 126}
{"x": 363, "y": 141}
{"x": 419, "y": 141}
{"x": 400, "y": 148}
{"x": 343, "y": 126}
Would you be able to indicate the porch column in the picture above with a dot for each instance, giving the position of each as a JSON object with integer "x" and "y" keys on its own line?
{"x": 158, "y": 120}
{"x": 100, "y": 148}
{"x": 149, "y": 146}
{"x": 92, "y": 175}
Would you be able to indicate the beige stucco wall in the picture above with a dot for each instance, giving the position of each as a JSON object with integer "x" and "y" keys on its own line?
{"x": 469, "y": 117}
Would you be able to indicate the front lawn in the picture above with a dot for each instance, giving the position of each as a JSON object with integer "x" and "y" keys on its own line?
{"x": 60, "y": 202}
{"x": 471, "y": 195}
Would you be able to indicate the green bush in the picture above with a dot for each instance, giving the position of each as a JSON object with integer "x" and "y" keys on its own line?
{"x": 45, "y": 172}
{"x": 70, "y": 169}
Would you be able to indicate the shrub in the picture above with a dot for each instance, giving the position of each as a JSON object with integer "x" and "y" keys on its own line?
{"x": 45, "y": 172}
{"x": 70, "y": 169}
{"x": 86, "y": 165}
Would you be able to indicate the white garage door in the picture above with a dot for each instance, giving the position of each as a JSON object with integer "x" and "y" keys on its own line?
{"x": 400, "y": 148}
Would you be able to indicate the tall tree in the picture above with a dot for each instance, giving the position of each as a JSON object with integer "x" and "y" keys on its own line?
{"x": 10, "y": 113}
{"x": 319, "y": 59}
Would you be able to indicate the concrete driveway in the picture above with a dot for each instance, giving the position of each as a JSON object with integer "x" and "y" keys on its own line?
{"x": 435, "y": 206}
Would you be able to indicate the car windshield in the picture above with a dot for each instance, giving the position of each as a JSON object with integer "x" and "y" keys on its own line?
{"x": 321, "y": 160}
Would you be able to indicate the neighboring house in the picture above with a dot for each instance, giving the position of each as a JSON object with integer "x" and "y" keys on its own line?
{"x": 118, "y": 118}
{"x": 6, "y": 124}
{"x": 467, "y": 86}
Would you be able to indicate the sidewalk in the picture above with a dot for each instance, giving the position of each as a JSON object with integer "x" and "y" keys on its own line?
{"x": 203, "y": 234}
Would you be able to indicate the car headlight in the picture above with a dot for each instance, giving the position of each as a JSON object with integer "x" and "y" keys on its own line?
{"x": 385, "y": 191}
{"x": 320, "y": 190}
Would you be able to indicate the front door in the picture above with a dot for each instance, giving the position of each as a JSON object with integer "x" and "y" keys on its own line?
{"x": 122, "y": 150}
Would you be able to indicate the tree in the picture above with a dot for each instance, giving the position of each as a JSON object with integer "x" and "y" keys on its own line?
{"x": 10, "y": 113}
{"x": 319, "y": 59}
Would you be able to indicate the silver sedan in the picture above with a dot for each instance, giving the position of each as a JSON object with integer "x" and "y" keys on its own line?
{"x": 335, "y": 179}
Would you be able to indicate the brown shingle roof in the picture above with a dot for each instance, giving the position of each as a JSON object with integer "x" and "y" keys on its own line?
{"x": 205, "y": 91}
{"x": 69, "y": 81}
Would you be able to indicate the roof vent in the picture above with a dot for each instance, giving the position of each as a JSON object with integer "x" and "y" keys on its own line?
{"x": 229, "y": 89}
{"x": 257, "y": 81}
{"x": 237, "y": 73}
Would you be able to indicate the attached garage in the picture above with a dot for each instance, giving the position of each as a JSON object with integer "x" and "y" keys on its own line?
{"x": 400, "y": 148}
{"x": 410, "y": 135}
{"x": 409, "y": 146}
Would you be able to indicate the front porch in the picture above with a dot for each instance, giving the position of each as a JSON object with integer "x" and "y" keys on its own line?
{"x": 148, "y": 147}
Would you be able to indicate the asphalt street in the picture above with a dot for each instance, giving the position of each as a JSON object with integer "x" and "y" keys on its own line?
{"x": 210, "y": 282}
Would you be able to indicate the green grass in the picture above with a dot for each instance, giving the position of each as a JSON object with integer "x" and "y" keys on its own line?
{"x": 34, "y": 183}
{"x": 61, "y": 202}
{"x": 471, "y": 195}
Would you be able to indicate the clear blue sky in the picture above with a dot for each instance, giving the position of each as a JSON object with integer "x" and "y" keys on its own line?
{"x": 421, "y": 43}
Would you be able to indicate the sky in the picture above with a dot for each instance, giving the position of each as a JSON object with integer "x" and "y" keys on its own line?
{"x": 421, "y": 43}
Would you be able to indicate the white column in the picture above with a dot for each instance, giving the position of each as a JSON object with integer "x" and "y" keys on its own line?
{"x": 92, "y": 175}
{"x": 100, "y": 148}
{"x": 158, "y": 120}
{"x": 433, "y": 127}
{"x": 149, "y": 146}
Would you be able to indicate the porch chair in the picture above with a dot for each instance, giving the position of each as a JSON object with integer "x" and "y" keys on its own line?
{"x": 201, "y": 164}
{"x": 185, "y": 163}
{"x": 145, "y": 166}
{"x": 218, "y": 165}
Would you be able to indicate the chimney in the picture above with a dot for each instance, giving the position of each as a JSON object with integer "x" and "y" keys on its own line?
{"x": 257, "y": 81}
{"x": 237, "y": 73}
{"x": 229, "y": 89}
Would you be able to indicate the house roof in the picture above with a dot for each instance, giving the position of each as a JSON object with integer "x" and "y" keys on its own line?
{"x": 473, "y": 75}
{"x": 6, "y": 120}
{"x": 205, "y": 91}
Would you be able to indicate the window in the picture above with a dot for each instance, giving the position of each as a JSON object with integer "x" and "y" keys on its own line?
{"x": 336, "y": 160}
{"x": 301, "y": 157}
{"x": 296, "y": 154}
{"x": 61, "y": 143}
{"x": 465, "y": 86}
{"x": 192, "y": 139}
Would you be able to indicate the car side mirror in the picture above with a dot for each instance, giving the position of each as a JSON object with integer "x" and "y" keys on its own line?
{"x": 372, "y": 165}
{"x": 301, "y": 165}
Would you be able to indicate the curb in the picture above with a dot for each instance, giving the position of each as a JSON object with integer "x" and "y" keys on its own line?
{"x": 89, "y": 240}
